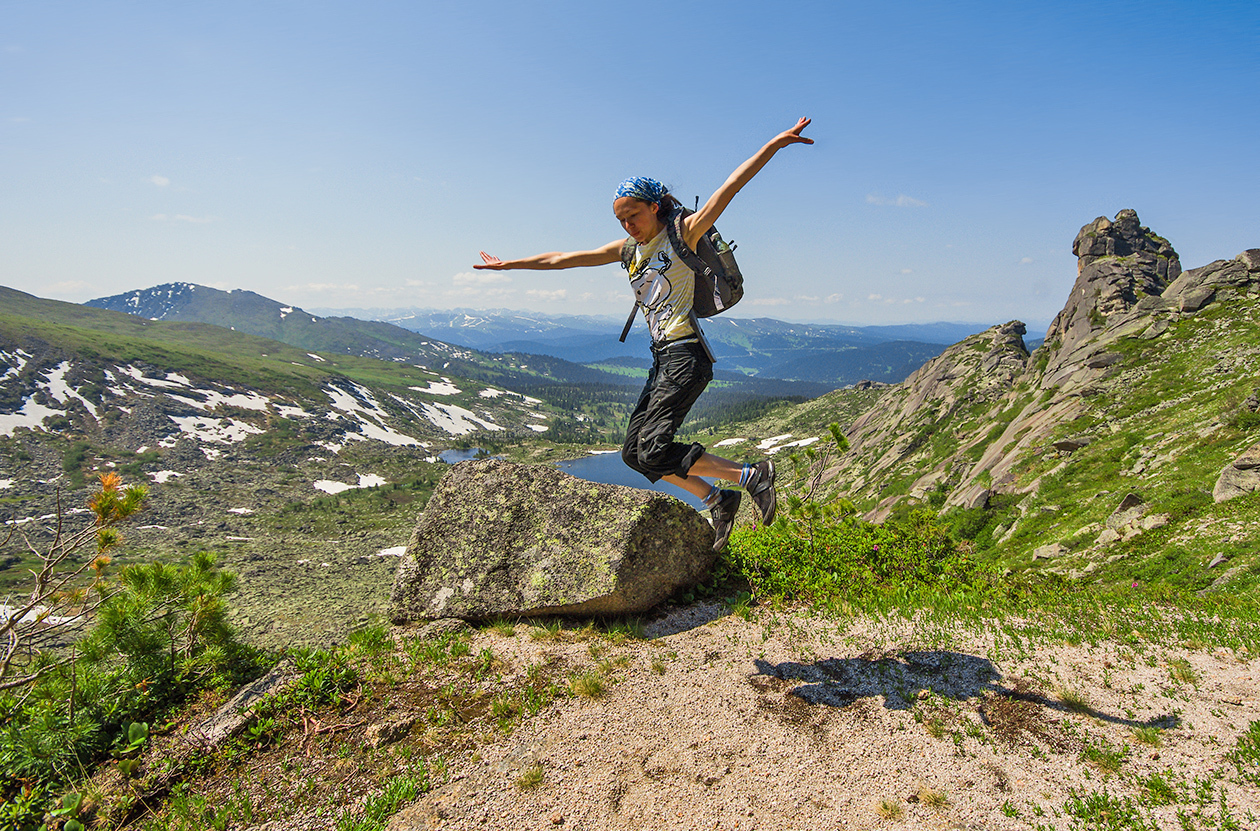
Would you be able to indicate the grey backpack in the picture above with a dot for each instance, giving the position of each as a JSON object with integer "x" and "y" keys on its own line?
{"x": 719, "y": 283}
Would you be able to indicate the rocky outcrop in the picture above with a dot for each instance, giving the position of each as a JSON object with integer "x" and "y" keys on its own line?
{"x": 1140, "y": 294}
{"x": 1118, "y": 265}
{"x": 1196, "y": 288}
{"x": 1240, "y": 477}
{"x": 965, "y": 426}
{"x": 502, "y": 539}
{"x": 1129, "y": 284}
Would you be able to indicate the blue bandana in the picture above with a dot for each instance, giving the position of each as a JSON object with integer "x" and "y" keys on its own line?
{"x": 642, "y": 188}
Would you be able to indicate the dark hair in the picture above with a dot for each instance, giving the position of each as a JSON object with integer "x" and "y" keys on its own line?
{"x": 668, "y": 205}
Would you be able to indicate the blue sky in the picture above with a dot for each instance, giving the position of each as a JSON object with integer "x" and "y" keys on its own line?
{"x": 338, "y": 155}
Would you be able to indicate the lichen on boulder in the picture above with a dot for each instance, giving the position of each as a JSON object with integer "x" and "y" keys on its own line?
{"x": 503, "y": 539}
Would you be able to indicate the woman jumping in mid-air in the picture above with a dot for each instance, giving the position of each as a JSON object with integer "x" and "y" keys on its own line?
{"x": 681, "y": 368}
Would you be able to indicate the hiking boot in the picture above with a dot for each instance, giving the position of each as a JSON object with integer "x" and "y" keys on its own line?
{"x": 761, "y": 488}
{"x": 723, "y": 516}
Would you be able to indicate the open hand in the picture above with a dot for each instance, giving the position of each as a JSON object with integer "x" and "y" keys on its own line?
{"x": 794, "y": 136}
{"x": 491, "y": 262}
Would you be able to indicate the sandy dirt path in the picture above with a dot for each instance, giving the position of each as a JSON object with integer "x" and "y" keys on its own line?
{"x": 787, "y": 721}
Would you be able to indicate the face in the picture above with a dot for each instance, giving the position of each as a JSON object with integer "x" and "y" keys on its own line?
{"x": 638, "y": 218}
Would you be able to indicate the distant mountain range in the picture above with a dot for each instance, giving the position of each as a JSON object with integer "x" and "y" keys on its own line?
{"x": 493, "y": 328}
{"x": 761, "y": 347}
{"x": 816, "y": 357}
{"x": 254, "y": 314}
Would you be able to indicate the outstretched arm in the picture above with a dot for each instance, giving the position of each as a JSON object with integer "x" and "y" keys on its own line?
{"x": 609, "y": 253}
{"x": 702, "y": 220}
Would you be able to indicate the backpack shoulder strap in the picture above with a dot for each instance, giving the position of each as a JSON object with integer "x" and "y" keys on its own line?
{"x": 627, "y": 257}
{"x": 676, "y": 239}
{"x": 627, "y": 253}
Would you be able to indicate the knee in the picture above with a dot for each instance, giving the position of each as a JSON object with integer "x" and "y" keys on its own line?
{"x": 630, "y": 455}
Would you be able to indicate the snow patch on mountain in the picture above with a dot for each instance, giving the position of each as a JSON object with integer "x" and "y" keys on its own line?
{"x": 456, "y": 420}
{"x": 331, "y": 486}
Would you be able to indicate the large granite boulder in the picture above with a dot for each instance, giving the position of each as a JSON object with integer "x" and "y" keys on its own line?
{"x": 502, "y": 539}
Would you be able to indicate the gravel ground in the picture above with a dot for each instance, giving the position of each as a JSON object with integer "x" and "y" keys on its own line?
{"x": 781, "y": 721}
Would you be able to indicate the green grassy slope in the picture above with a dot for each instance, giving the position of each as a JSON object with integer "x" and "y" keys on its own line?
{"x": 1165, "y": 421}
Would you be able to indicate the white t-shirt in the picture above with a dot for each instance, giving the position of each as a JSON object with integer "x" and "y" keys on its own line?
{"x": 664, "y": 287}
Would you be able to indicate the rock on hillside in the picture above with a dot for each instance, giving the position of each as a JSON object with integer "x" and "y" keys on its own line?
{"x": 955, "y": 432}
{"x": 502, "y": 540}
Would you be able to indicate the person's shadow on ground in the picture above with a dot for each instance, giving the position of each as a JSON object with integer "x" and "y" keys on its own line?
{"x": 899, "y": 679}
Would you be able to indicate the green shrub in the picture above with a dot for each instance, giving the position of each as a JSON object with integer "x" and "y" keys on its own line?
{"x": 160, "y": 638}
{"x": 1243, "y": 420}
{"x": 853, "y": 561}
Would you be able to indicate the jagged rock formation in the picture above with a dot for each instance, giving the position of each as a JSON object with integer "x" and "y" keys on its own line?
{"x": 1118, "y": 264}
{"x": 957, "y": 430}
{"x": 502, "y": 539}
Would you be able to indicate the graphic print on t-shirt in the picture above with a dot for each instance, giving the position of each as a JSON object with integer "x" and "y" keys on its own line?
{"x": 652, "y": 289}
{"x": 664, "y": 287}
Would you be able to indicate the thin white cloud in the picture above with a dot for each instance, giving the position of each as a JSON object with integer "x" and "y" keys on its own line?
{"x": 770, "y": 301}
{"x": 901, "y": 201}
{"x": 888, "y": 301}
{"x": 1025, "y": 260}
{"x": 834, "y": 298}
{"x": 160, "y": 181}
{"x": 478, "y": 278}
{"x": 907, "y": 271}
{"x": 541, "y": 294}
